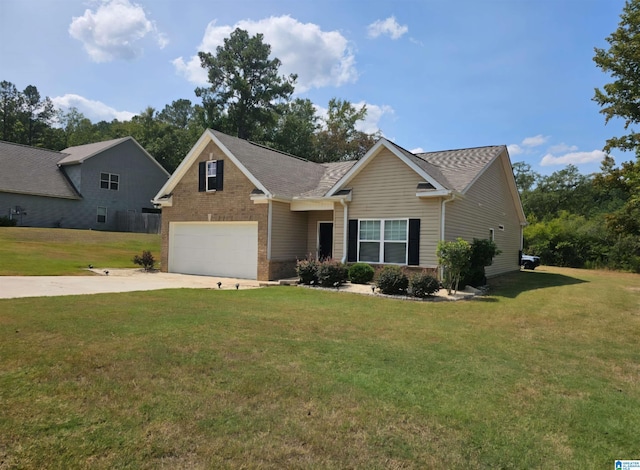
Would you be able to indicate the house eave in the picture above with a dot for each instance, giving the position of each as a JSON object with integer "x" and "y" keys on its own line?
{"x": 434, "y": 193}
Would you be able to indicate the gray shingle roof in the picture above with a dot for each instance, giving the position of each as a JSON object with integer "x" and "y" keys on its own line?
{"x": 283, "y": 175}
{"x": 80, "y": 153}
{"x": 460, "y": 167}
{"x": 30, "y": 170}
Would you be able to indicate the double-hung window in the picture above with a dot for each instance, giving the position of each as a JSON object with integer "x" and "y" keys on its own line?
{"x": 109, "y": 181}
{"x": 383, "y": 241}
{"x": 212, "y": 175}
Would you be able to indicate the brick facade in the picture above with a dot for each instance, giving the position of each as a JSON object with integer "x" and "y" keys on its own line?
{"x": 233, "y": 203}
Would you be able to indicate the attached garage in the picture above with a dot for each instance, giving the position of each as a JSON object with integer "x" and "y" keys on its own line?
{"x": 225, "y": 249}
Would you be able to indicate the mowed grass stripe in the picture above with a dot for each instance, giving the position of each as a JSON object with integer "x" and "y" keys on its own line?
{"x": 26, "y": 251}
{"x": 544, "y": 372}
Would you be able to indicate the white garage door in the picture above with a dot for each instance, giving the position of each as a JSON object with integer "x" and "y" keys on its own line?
{"x": 225, "y": 249}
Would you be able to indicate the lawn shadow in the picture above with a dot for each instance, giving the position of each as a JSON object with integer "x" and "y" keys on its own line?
{"x": 513, "y": 284}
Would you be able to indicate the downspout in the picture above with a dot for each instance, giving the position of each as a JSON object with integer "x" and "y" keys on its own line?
{"x": 345, "y": 226}
{"x": 442, "y": 220}
{"x": 269, "y": 226}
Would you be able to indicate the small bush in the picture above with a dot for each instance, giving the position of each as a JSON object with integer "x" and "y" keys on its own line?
{"x": 7, "y": 222}
{"x": 147, "y": 261}
{"x": 361, "y": 273}
{"x": 423, "y": 285}
{"x": 307, "y": 271}
{"x": 392, "y": 281}
{"x": 332, "y": 273}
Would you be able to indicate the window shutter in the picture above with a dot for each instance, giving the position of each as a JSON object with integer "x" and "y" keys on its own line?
{"x": 219, "y": 174}
{"x": 414, "y": 242}
{"x": 202, "y": 176}
{"x": 352, "y": 246}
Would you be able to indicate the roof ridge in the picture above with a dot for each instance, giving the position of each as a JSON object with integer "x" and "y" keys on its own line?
{"x": 460, "y": 149}
{"x": 266, "y": 147}
{"x": 32, "y": 147}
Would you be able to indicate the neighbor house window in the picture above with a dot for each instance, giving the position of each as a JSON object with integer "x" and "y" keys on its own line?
{"x": 102, "y": 215}
{"x": 383, "y": 241}
{"x": 109, "y": 181}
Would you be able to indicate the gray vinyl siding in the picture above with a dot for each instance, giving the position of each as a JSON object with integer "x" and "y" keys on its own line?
{"x": 140, "y": 180}
{"x": 312, "y": 230}
{"x": 288, "y": 233}
{"x": 386, "y": 188}
{"x": 40, "y": 211}
{"x": 488, "y": 204}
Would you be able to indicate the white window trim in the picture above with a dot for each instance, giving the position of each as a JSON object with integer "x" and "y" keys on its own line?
{"x": 108, "y": 181}
{"x": 492, "y": 235}
{"x": 382, "y": 241}
{"x": 214, "y": 164}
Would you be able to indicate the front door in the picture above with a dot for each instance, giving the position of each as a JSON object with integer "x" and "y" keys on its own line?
{"x": 325, "y": 240}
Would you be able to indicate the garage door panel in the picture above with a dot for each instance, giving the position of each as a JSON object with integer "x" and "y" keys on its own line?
{"x": 225, "y": 249}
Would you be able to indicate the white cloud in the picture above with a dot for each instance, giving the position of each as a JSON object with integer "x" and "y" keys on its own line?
{"x": 514, "y": 149}
{"x": 535, "y": 141}
{"x": 562, "y": 148}
{"x": 94, "y": 110}
{"x": 114, "y": 31}
{"x": 388, "y": 26}
{"x": 573, "y": 158}
{"x": 371, "y": 123}
{"x": 319, "y": 58}
{"x": 417, "y": 150}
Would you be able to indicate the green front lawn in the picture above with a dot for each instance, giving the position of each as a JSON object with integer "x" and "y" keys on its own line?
{"x": 26, "y": 251}
{"x": 544, "y": 373}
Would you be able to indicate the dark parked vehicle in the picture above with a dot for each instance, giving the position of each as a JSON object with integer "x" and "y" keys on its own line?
{"x": 529, "y": 262}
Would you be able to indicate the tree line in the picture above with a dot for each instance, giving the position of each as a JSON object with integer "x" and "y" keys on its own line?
{"x": 246, "y": 97}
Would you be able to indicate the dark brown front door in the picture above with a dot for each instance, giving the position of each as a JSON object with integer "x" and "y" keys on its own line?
{"x": 325, "y": 240}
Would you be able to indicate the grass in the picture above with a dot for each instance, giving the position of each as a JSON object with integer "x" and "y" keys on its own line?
{"x": 543, "y": 373}
{"x": 52, "y": 252}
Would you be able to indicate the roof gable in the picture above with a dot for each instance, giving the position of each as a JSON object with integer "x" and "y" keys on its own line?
{"x": 403, "y": 155}
{"x": 81, "y": 153}
{"x": 34, "y": 171}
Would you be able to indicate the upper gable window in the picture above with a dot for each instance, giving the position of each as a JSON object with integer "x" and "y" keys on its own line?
{"x": 109, "y": 181}
{"x": 211, "y": 175}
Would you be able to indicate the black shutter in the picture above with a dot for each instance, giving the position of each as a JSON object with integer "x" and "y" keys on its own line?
{"x": 219, "y": 174}
{"x": 414, "y": 242}
{"x": 352, "y": 246}
{"x": 202, "y": 176}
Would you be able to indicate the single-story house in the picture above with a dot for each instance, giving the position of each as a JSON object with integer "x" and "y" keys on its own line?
{"x": 80, "y": 187}
{"x": 234, "y": 208}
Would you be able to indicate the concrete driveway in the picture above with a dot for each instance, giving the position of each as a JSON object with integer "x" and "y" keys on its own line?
{"x": 118, "y": 280}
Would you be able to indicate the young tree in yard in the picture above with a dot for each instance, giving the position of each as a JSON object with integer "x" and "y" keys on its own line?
{"x": 621, "y": 98}
{"x": 245, "y": 86}
{"x": 454, "y": 258}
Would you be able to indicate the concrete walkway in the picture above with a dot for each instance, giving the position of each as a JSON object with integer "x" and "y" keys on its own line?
{"x": 118, "y": 280}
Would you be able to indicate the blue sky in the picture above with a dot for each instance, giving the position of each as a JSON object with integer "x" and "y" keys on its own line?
{"x": 434, "y": 74}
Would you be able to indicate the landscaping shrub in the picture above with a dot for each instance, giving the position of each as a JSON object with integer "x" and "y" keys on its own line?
{"x": 392, "y": 281}
{"x": 482, "y": 253}
{"x": 332, "y": 273}
{"x": 423, "y": 285}
{"x": 307, "y": 271}
{"x": 7, "y": 222}
{"x": 454, "y": 257}
{"x": 147, "y": 261}
{"x": 361, "y": 273}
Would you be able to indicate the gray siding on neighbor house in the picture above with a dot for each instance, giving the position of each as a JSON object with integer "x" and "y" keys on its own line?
{"x": 139, "y": 180}
{"x": 38, "y": 211}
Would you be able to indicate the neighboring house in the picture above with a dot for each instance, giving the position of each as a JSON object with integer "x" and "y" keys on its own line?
{"x": 80, "y": 187}
{"x": 237, "y": 209}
